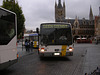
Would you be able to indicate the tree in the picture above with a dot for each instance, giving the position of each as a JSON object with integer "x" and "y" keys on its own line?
{"x": 13, "y": 6}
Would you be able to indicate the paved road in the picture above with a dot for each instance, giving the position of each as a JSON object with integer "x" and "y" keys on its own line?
{"x": 81, "y": 62}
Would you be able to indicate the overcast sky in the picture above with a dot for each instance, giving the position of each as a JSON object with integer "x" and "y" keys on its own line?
{"x": 41, "y": 11}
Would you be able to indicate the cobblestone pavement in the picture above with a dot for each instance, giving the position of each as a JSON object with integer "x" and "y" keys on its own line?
{"x": 78, "y": 64}
{"x": 92, "y": 58}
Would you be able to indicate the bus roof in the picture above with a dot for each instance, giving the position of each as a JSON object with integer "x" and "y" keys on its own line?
{"x": 7, "y": 10}
{"x": 56, "y": 23}
{"x": 26, "y": 34}
{"x": 33, "y": 34}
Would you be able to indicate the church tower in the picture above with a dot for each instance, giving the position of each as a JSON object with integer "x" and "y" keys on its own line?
{"x": 59, "y": 11}
{"x": 91, "y": 14}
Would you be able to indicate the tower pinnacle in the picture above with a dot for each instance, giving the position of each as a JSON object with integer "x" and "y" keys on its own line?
{"x": 59, "y": 4}
{"x": 91, "y": 14}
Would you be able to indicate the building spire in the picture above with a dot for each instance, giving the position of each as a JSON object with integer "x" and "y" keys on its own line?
{"x": 59, "y": 1}
{"x": 63, "y": 3}
{"x": 55, "y": 4}
{"x": 64, "y": 8}
{"x": 59, "y": 4}
{"x": 91, "y": 14}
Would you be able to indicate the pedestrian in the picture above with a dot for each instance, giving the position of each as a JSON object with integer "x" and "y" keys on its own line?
{"x": 96, "y": 40}
{"x": 31, "y": 46}
{"x": 26, "y": 44}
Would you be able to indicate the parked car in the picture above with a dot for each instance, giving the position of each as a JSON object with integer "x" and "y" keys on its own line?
{"x": 83, "y": 40}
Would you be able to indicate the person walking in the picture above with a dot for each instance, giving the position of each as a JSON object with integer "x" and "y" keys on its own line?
{"x": 31, "y": 46}
{"x": 26, "y": 44}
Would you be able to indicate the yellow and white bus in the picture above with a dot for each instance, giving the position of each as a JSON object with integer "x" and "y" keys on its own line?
{"x": 55, "y": 39}
{"x": 8, "y": 38}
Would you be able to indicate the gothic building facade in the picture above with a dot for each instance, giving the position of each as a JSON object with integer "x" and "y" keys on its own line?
{"x": 97, "y": 27}
{"x": 80, "y": 27}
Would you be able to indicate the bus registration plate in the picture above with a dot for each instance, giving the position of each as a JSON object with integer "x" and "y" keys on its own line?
{"x": 56, "y": 53}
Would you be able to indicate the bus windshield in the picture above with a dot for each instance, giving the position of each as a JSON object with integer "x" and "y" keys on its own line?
{"x": 56, "y": 35}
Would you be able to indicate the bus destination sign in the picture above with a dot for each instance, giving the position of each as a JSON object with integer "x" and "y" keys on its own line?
{"x": 55, "y": 26}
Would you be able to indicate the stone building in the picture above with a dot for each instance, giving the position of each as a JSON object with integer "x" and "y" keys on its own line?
{"x": 80, "y": 27}
{"x": 97, "y": 27}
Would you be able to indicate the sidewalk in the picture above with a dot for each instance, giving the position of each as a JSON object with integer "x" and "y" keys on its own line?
{"x": 22, "y": 51}
{"x": 92, "y": 58}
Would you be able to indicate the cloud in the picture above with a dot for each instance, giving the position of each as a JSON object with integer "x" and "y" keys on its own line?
{"x": 40, "y": 11}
